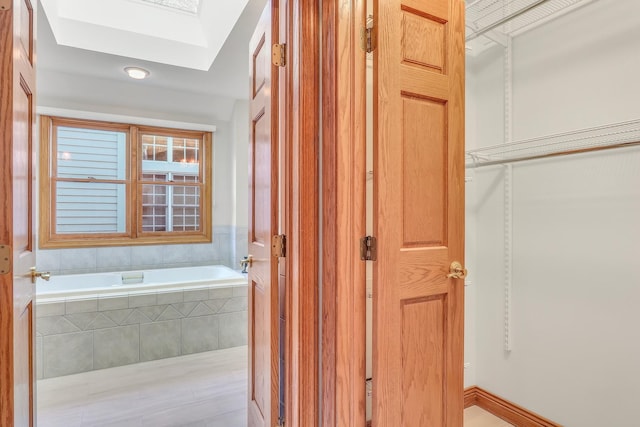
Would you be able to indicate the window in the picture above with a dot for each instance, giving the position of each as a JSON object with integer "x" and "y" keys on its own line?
{"x": 113, "y": 184}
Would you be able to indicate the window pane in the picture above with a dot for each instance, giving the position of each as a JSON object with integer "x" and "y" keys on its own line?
{"x": 90, "y": 207}
{"x": 154, "y": 147}
{"x": 186, "y": 208}
{"x": 185, "y": 150}
{"x": 170, "y": 155}
{"x": 154, "y": 208}
{"x": 90, "y": 153}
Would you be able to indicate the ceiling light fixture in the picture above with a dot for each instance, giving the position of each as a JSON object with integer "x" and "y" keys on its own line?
{"x": 136, "y": 72}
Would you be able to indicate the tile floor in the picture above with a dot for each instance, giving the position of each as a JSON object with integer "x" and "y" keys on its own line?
{"x": 199, "y": 390}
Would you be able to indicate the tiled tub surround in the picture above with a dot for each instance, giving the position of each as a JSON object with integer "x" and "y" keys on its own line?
{"x": 79, "y": 333}
{"x": 224, "y": 250}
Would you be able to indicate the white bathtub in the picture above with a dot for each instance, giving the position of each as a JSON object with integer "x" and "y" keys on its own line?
{"x": 73, "y": 286}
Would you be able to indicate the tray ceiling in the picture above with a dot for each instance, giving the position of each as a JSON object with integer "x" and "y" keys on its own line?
{"x": 184, "y": 33}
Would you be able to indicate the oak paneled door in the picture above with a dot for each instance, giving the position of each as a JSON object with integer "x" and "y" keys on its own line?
{"x": 418, "y": 212}
{"x": 17, "y": 255}
{"x": 263, "y": 224}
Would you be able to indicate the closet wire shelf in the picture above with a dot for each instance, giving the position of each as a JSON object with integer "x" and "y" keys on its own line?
{"x": 512, "y": 16}
{"x": 617, "y": 135}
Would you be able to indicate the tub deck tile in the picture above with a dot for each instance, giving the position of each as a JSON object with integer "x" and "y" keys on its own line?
{"x": 54, "y": 325}
{"x": 119, "y": 316}
{"x": 170, "y": 297}
{"x": 215, "y": 304}
{"x": 234, "y": 304}
{"x": 201, "y": 310}
{"x": 216, "y": 293}
{"x": 50, "y": 309}
{"x": 136, "y": 317}
{"x": 106, "y": 303}
{"x": 170, "y": 313}
{"x": 102, "y": 322}
{"x": 82, "y": 320}
{"x": 196, "y": 295}
{"x": 185, "y": 308}
{"x": 146, "y": 300}
{"x": 81, "y": 306}
{"x": 152, "y": 312}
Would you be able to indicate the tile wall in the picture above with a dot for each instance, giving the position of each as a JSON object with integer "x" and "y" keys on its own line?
{"x": 228, "y": 247}
{"x": 96, "y": 333}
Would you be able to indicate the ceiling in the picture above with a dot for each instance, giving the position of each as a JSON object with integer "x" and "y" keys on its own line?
{"x": 227, "y": 78}
{"x": 184, "y": 33}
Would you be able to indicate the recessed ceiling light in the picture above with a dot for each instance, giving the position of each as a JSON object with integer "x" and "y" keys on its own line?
{"x": 136, "y": 72}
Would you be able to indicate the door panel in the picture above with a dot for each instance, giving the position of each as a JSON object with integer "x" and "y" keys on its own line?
{"x": 418, "y": 212}
{"x": 263, "y": 208}
{"x": 17, "y": 92}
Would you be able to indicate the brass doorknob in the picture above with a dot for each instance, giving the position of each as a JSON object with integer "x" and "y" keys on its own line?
{"x": 246, "y": 262}
{"x": 41, "y": 274}
{"x": 456, "y": 271}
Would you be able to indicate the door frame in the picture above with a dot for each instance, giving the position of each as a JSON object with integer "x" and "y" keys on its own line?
{"x": 301, "y": 189}
{"x": 343, "y": 213}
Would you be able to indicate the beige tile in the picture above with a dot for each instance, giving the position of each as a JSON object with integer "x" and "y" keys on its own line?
{"x": 233, "y": 329}
{"x": 116, "y": 346}
{"x": 170, "y": 297}
{"x": 81, "y": 306}
{"x": 160, "y": 340}
{"x": 142, "y": 300}
{"x": 199, "y": 334}
{"x": 112, "y": 303}
{"x": 196, "y": 295}
{"x": 234, "y": 304}
{"x": 49, "y": 309}
{"x": 67, "y": 354}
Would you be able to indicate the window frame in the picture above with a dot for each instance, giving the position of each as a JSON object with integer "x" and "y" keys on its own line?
{"x": 134, "y": 183}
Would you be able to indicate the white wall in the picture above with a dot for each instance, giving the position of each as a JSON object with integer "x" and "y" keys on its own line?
{"x": 576, "y": 234}
{"x": 240, "y": 135}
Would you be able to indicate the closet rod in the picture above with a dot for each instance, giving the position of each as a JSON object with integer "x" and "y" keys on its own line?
{"x": 548, "y": 155}
{"x": 505, "y": 19}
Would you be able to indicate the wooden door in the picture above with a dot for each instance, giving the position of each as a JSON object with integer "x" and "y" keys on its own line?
{"x": 263, "y": 223}
{"x": 17, "y": 106}
{"x": 418, "y": 212}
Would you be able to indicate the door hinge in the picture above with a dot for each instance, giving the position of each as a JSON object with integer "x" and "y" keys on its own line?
{"x": 5, "y": 259}
{"x": 279, "y": 246}
{"x": 368, "y": 248}
{"x": 369, "y": 39}
{"x": 6, "y": 4}
{"x": 279, "y": 55}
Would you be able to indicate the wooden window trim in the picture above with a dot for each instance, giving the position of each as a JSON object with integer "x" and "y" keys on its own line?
{"x": 133, "y": 234}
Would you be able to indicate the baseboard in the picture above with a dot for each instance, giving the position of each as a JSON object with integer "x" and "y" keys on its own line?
{"x": 501, "y": 408}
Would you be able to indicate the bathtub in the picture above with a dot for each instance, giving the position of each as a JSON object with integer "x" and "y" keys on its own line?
{"x": 86, "y": 322}
{"x": 104, "y": 284}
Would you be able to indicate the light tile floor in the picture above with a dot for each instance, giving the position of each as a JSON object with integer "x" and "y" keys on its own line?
{"x": 200, "y": 390}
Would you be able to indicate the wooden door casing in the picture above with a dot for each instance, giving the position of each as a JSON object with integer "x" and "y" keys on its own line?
{"x": 263, "y": 223}
{"x": 343, "y": 210}
{"x": 17, "y": 119}
{"x": 418, "y": 212}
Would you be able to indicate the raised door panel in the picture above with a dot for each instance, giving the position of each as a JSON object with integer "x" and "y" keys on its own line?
{"x": 263, "y": 202}
{"x": 418, "y": 212}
